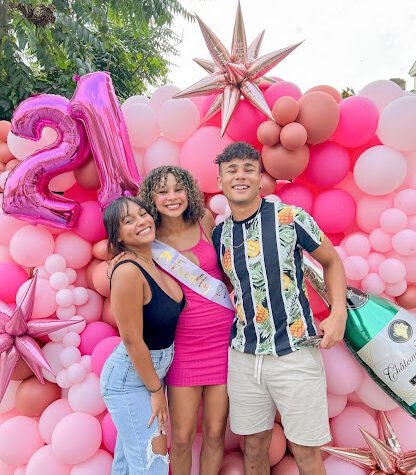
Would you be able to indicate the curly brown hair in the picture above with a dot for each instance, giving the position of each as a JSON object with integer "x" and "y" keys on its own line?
{"x": 157, "y": 178}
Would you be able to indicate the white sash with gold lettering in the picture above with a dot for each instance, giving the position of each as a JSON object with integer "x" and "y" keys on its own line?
{"x": 190, "y": 274}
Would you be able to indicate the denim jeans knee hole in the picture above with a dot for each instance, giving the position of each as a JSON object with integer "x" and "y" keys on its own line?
{"x": 153, "y": 453}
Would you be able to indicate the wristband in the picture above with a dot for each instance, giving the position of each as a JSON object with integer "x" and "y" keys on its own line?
{"x": 156, "y": 390}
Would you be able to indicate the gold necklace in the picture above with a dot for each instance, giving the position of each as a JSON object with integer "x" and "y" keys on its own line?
{"x": 151, "y": 263}
{"x": 249, "y": 225}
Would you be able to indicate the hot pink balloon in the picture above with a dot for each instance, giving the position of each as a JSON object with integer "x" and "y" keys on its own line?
{"x": 93, "y": 334}
{"x": 280, "y": 89}
{"x": 90, "y": 222}
{"x": 15, "y": 276}
{"x": 358, "y": 117}
{"x": 328, "y": 164}
{"x": 27, "y": 184}
{"x": 102, "y": 351}
{"x": 109, "y": 433}
{"x": 244, "y": 123}
{"x": 329, "y": 206}
{"x": 95, "y": 104}
{"x": 298, "y": 195}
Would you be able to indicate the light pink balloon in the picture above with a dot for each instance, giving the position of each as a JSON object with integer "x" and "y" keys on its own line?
{"x": 298, "y": 195}
{"x": 76, "y": 438}
{"x": 380, "y": 240}
{"x": 41, "y": 246}
{"x": 161, "y": 95}
{"x": 179, "y": 119}
{"x": 358, "y": 117}
{"x": 19, "y": 440}
{"x": 9, "y": 398}
{"x": 374, "y": 260}
{"x": 198, "y": 155}
{"x": 369, "y": 209}
{"x": 410, "y": 264}
{"x": 404, "y": 242}
{"x": 76, "y": 251}
{"x": 344, "y": 428}
{"x": 381, "y": 92}
{"x": 405, "y": 427}
{"x": 86, "y": 396}
{"x": 357, "y": 244}
{"x": 90, "y": 222}
{"x": 45, "y": 298}
{"x": 142, "y": 124}
{"x": 91, "y": 311}
{"x": 233, "y": 464}
{"x": 380, "y": 170}
{"x": 55, "y": 263}
{"x": 287, "y": 466}
{"x": 102, "y": 351}
{"x": 392, "y": 271}
{"x": 329, "y": 206}
{"x": 161, "y": 152}
{"x": 338, "y": 361}
{"x": 217, "y": 203}
{"x": 393, "y": 220}
{"x": 394, "y": 290}
{"x": 406, "y": 201}
{"x": 22, "y": 148}
{"x": 328, "y": 164}
{"x": 336, "y": 466}
{"x": 59, "y": 280}
{"x": 136, "y": 99}
{"x": 100, "y": 463}
{"x": 64, "y": 298}
{"x": 69, "y": 356}
{"x": 80, "y": 295}
{"x": 5, "y": 254}
{"x": 9, "y": 226}
{"x": 76, "y": 373}
{"x": 109, "y": 432}
{"x": 44, "y": 462}
{"x": 6, "y": 469}
{"x": 396, "y": 127}
{"x": 336, "y": 404}
{"x": 51, "y": 351}
{"x": 373, "y": 284}
{"x": 372, "y": 395}
{"x": 51, "y": 416}
{"x": 356, "y": 267}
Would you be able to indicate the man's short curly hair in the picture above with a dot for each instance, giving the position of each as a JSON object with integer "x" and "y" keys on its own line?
{"x": 240, "y": 150}
{"x": 157, "y": 178}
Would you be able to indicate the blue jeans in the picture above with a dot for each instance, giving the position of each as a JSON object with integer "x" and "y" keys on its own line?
{"x": 128, "y": 402}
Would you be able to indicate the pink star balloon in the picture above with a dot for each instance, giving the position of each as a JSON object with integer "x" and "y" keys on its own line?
{"x": 234, "y": 75}
{"x": 17, "y": 337}
{"x": 384, "y": 456}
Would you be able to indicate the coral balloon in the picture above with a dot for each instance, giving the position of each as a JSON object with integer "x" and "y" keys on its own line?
{"x": 33, "y": 397}
{"x": 268, "y": 133}
{"x": 318, "y": 113}
{"x": 5, "y": 127}
{"x": 285, "y": 110}
{"x": 328, "y": 89}
{"x": 268, "y": 184}
{"x": 293, "y": 136}
{"x": 283, "y": 164}
{"x": 87, "y": 175}
{"x": 287, "y": 466}
{"x": 408, "y": 298}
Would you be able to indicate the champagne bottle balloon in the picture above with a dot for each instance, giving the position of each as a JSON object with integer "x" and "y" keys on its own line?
{"x": 381, "y": 336}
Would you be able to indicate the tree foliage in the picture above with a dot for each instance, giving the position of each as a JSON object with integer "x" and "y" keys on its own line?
{"x": 43, "y": 44}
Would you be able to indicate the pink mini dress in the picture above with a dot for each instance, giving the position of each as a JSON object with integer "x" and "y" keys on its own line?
{"x": 203, "y": 331}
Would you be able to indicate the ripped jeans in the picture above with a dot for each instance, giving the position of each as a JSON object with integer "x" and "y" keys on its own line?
{"x": 128, "y": 402}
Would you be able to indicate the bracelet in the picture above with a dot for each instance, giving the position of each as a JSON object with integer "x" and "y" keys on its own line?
{"x": 156, "y": 390}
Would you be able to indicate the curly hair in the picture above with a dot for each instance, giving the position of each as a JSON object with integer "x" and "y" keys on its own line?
{"x": 157, "y": 178}
{"x": 240, "y": 150}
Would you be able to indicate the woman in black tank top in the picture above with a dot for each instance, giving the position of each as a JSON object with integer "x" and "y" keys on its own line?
{"x": 146, "y": 303}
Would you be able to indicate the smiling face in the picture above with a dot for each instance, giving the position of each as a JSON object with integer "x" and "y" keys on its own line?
{"x": 170, "y": 197}
{"x": 240, "y": 180}
{"x": 137, "y": 228}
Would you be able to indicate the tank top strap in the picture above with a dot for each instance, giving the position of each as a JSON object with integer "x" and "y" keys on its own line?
{"x": 202, "y": 232}
{"x": 151, "y": 281}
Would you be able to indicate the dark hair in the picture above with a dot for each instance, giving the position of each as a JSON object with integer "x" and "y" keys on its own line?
{"x": 241, "y": 150}
{"x": 114, "y": 214}
{"x": 158, "y": 176}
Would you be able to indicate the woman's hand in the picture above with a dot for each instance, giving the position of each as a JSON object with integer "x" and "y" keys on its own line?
{"x": 159, "y": 410}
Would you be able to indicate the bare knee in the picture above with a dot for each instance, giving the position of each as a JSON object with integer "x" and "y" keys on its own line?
{"x": 256, "y": 446}
{"x": 160, "y": 445}
{"x": 183, "y": 439}
{"x": 214, "y": 434}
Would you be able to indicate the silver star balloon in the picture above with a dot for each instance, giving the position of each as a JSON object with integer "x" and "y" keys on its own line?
{"x": 234, "y": 75}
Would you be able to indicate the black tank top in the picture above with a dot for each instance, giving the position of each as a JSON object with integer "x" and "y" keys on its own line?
{"x": 160, "y": 315}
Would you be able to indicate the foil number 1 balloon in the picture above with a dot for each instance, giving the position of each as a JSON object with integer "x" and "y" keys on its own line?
{"x": 26, "y": 193}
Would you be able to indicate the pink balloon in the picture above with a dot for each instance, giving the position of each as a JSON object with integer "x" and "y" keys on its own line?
{"x": 196, "y": 452}
{"x": 94, "y": 103}
{"x": 278, "y": 445}
{"x": 19, "y": 440}
{"x": 280, "y": 89}
{"x": 142, "y": 124}
{"x": 357, "y": 244}
{"x": 22, "y": 148}
{"x": 338, "y": 361}
{"x": 44, "y": 462}
{"x": 372, "y": 395}
{"x": 76, "y": 438}
{"x": 161, "y": 152}
{"x": 405, "y": 200}
{"x": 99, "y": 463}
{"x": 374, "y": 260}
{"x": 369, "y": 209}
{"x": 102, "y": 351}
{"x": 8, "y": 226}
{"x": 28, "y": 183}
{"x": 336, "y": 466}
{"x": 90, "y": 222}
{"x": 392, "y": 271}
{"x": 45, "y": 303}
{"x": 233, "y": 464}
{"x": 298, "y": 195}
{"x": 329, "y": 206}
{"x": 381, "y": 92}
{"x": 373, "y": 284}
{"x": 62, "y": 182}
{"x": 179, "y": 119}
{"x": 51, "y": 416}
{"x": 344, "y": 428}
{"x": 410, "y": 264}
{"x": 86, "y": 396}
{"x": 394, "y": 290}
{"x": 380, "y": 240}
{"x": 91, "y": 311}
{"x": 15, "y": 276}
{"x": 348, "y": 184}
{"x": 393, "y": 220}
{"x": 336, "y": 404}
{"x": 109, "y": 433}
{"x": 94, "y": 333}
{"x": 358, "y": 117}
{"x": 6, "y": 469}
{"x": 161, "y": 95}
{"x": 287, "y": 466}
{"x": 41, "y": 247}
{"x": 405, "y": 427}
{"x": 328, "y": 164}
{"x": 404, "y": 242}
{"x": 107, "y": 315}
{"x": 51, "y": 351}
{"x": 206, "y": 143}
{"x": 9, "y": 399}
{"x": 75, "y": 250}
{"x": 244, "y": 123}
{"x": 380, "y": 170}
{"x": 100, "y": 279}
{"x": 356, "y": 267}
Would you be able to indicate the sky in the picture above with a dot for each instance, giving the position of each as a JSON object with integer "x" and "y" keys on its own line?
{"x": 347, "y": 42}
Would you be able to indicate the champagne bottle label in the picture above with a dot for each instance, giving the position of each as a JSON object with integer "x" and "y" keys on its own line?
{"x": 397, "y": 367}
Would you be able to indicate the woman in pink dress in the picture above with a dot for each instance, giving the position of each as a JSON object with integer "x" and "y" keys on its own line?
{"x": 199, "y": 369}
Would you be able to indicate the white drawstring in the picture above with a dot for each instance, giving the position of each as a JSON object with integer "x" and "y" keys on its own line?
{"x": 257, "y": 367}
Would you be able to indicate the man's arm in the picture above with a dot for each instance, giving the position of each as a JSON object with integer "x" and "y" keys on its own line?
{"x": 333, "y": 327}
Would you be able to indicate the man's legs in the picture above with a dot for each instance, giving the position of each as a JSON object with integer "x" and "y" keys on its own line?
{"x": 308, "y": 459}
{"x": 256, "y": 453}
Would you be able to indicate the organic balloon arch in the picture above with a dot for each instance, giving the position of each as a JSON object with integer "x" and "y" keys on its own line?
{"x": 351, "y": 163}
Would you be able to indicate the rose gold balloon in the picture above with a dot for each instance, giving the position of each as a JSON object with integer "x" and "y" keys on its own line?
{"x": 268, "y": 184}
{"x": 283, "y": 164}
{"x": 5, "y": 127}
{"x": 268, "y": 133}
{"x": 11, "y": 164}
{"x": 33, "y": 397}
{"x": 319, "y": 114}
{"x": 21, "y": 372}
{"x": 408, "y": 298}
{"x": 328, "y": 89}
{"x": 87, "y": 175}
{"x": 5, "y": 154}
{"x": 293, "y": 136}
{"x": 285, "y": 110}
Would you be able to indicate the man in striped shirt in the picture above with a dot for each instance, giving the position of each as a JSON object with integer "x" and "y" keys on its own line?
{"x": 260, "y": 249}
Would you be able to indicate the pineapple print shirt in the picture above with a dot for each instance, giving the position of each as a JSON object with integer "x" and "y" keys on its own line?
{"x": 262, "y": 256}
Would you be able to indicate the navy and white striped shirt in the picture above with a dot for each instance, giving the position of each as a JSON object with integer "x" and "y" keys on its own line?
{"x": 262, "y": 256}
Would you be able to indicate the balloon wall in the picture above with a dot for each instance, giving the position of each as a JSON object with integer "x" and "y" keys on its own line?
{"x": 351, "y": 163}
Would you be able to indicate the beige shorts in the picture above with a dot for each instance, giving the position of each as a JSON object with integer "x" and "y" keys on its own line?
{"x": 294, "y": 384}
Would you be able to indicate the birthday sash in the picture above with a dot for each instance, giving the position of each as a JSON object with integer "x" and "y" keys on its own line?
{"x": 190, "y": 274}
